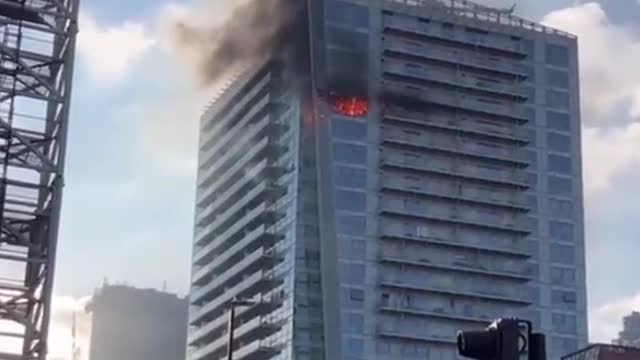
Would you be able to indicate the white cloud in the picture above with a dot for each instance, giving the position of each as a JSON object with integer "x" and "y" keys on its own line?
{"x": 606, "y": 321}
{"x": 609, "y": 54}
{"x": 109, "y": 51}
{"x": 609, "y": 152}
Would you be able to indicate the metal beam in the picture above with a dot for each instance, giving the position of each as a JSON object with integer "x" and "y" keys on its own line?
{"x": 32, "y": 163}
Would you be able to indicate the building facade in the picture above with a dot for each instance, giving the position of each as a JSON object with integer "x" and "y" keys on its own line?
{"x": 132, "y": 324}
{"x": 424, "y": 178}
{"x": 630, "y": 334}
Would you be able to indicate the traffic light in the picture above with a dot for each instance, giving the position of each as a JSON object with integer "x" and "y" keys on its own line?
{"x": 504, "y": 339}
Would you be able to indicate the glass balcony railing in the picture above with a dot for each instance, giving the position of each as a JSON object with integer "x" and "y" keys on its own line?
{"x": 437, "y": 313}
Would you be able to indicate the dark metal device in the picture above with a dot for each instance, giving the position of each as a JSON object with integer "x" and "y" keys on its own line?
{"x": 504, "y": 339}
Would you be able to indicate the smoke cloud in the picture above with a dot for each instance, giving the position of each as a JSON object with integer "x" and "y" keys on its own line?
{"x": 255, "y": 31}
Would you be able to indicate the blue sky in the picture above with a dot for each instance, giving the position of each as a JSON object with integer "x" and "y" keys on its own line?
{"x": 128, "y": 205}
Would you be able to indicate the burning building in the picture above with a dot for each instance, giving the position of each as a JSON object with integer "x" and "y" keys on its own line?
{"x": 395, "y": 172}
{"x": 134, "y": 324}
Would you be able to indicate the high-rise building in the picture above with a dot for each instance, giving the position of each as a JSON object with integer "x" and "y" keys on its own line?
{"x": 133, "y": 324}
{"x": 426, "y": 179}
{"x": 630, "y": 334}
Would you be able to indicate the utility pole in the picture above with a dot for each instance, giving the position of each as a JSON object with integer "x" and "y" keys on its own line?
{"x": 232, "y": 322}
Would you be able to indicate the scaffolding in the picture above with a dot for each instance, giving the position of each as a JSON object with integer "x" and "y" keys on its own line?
{"x": 37, "y": 44}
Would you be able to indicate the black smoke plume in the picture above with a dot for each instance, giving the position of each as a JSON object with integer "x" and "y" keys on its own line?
{"x": 256, "y": 31}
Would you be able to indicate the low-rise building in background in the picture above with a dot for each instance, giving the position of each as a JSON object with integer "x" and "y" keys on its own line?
{"x": 136, "y": 324}
{"x": 605, "y": 352}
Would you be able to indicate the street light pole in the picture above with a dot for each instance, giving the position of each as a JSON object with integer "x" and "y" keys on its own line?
{"x": 232, "y": 322}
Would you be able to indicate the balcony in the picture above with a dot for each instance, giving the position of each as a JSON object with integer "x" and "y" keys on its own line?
{"x": 244, "y": 128}
{"x": 457, "y": 168}
{"x": 509, "y": 248}
{"x": 206, "y": 235}
{"x": 247, "y": 288}
{"x": 433, "y": 31}
{"x": 459, "y": 267}
{"x": 458, "y": 123}
{"x": 454, "y": 144}
{"x": 257, "y": 350}
{"x": 452, "y": 190}
{"x": 255, "y": 328}
{"x": 257, "y": 236}
{"x": 398, "y": 91}
{"x": 258, "y": 259}
{"x": 394, "y": 46}
{"x": 412, "y": 72}
{"x": 453, "y": 214}
{"x": 221, "y": 322}
{"x": 511, "y": 296}
{"x": 406, "y": 336}
{"x": 483, "y": 320}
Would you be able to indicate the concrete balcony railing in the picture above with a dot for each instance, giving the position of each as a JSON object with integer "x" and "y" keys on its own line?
{"x": 437, "y": 31}
{"x": 495, "y": 269}
{"x": 458, "y": 123}
{"x": 455, "y": 191}
{"x": 512, "y": 246}
{"x": 452, "y": 99}
{"x": 455, "y": 78}
{"x": 452, "y": 143}
{"x": 458, "y": 168}
{"x": 457, "y": 286}
{"x": 454, "y": 214}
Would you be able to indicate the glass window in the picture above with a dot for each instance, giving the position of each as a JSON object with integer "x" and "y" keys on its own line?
{"x": 531, "y": 94}
{"x": 557, "y": 78}
{"x": 338, "y": 57}
{"x": 559, "y": 186}
{"x": 355, "y": 225}
{"x": 530, "y": 71}
{"x": 559, "y": 164}
{"x": 529, "y": 47}
{"x": 532, "y": 136}
{"x": 358, "y": 248}
{"x": 353, "y": 347}
{"x": 560, "y": 231}
{"x": 560, "y": 208}
{"x": 353, "y": 298}
{"x": 350, "y": 177}
{"x": 564, "y": 323}
{"x": 350, "y": 153}
{"x": 557, "y": 55}
{"x": 344, "y": 129}
{"x": 564, "y": 299}
{"x": 559, "y": 142}
{"x": 532, "y": 156}
{"x": 383, "y": 347}
{"x": 563, "y": 254}
{"x": 351, "y": 200}
{"x": 558, "y": 121}
{"x": 533, "y": 294}
{"x": 563, "y": 276}
{"x": 564, "y": 345}
{"x": 353, "y": 322}
{"x": 348, "y": 39}
{"x": 356, "y": 273}
{"x": 532, "y": 202}
{"x": 533, "y": 270}
{"x": 557, "y": 99}
{"x": 532, "y": 179}
{"x": 530, "y": 114}
{"x": 533, "y": 247}
{"x": 344, "y": 13}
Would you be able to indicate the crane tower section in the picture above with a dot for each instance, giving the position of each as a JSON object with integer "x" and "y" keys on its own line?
{"x": 37, "y": 44}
